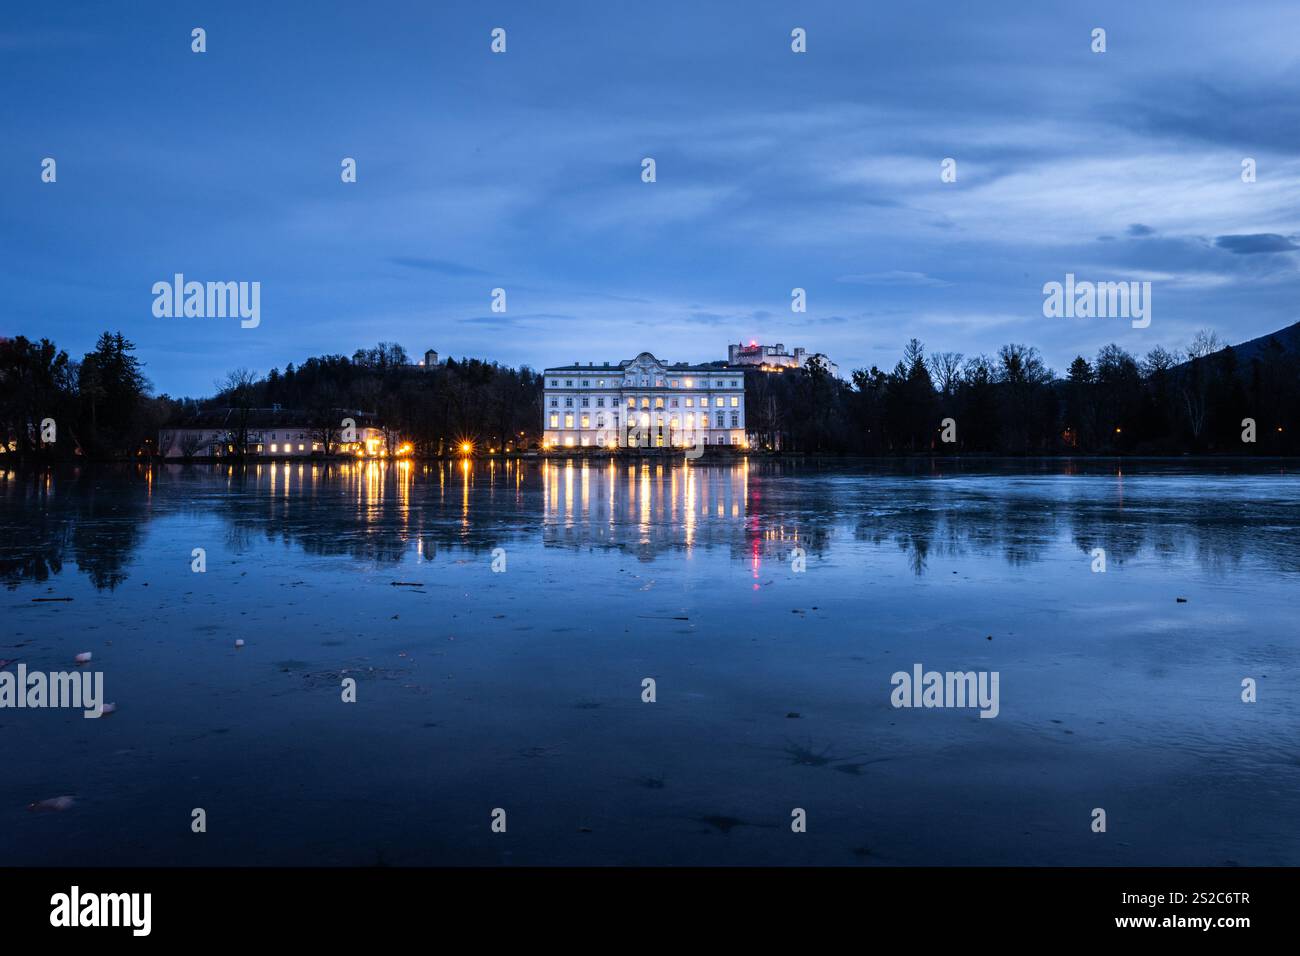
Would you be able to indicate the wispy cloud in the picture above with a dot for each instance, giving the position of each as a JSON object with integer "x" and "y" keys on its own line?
{"x": 441, "y": 266}
{"x": 894, "y": 277}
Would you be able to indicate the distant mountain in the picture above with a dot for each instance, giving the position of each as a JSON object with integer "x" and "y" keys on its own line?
{"x": 1288, "y": 338}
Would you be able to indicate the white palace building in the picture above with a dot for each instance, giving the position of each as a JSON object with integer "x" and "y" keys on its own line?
{"x": 643, "y": 402}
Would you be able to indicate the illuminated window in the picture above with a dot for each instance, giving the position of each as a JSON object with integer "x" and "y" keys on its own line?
{"x": 631, "y": 402}
{"x": 688, "y": 383}
{"x": 718, "y": 401}
{"x": 568, "y": 419}
{"x": 645, "y": 402}
{"x": 555, "y": 420}
{"x": 735, "y": 401}
{"x": 300, "y": 447}
{"x": 659, "y": 403}
{"x": 690, "y": 403}
{"x": 586, "y": 420}
{"x": 273, "y": 448}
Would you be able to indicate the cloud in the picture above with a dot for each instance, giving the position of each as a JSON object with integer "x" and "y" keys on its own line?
{"x": 1137, "y": 229}
{"x": 436, "y": 265}
{"x": 512, "y": 320}
{"x": 1251, "y": 243}
{"x": 895, "y": 277}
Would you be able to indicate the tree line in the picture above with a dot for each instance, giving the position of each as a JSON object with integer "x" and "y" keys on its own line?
{"x": 434, "y": 408}
{"x": 1195, "y": 401}
{"x": 1167, "y": 402}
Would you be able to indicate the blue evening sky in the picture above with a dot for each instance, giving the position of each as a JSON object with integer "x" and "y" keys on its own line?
{"x": 523, "y": 171}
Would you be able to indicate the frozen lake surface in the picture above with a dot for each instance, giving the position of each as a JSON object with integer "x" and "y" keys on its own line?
{"x": 522, "y": 689}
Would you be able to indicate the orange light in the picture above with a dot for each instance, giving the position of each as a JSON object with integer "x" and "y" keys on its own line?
{"x": 466, "y": 448}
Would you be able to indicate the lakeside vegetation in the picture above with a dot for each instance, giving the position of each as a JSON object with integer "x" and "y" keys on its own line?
{"x": 1165, "y": 403}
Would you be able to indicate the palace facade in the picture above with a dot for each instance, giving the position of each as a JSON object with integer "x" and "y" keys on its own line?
{"x": 643, "y": 402}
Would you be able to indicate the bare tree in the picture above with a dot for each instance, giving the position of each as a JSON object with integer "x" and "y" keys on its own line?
{"x": 190, "y": 444}
{"x": 325, "y": 421}
{"x": 1205, "y": 342}
{"x": 1195, "y": 384}
{"x": 945, "y": 369}
{"x": 237, "y": 389}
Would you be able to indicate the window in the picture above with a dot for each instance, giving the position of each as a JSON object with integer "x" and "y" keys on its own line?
{"x": 586, "y": 420}
{"x": 300, "y": 447}
{"x": 600, "y": 402}
{"x": 273, "y": 448}
{"x": 718, "y": 401}
{"x": 688, "y": 383}
{"x": 568, "y": 383}
{"x": 568, "y": 420}
{"x": 615, "y": 421}
{"x": 645, "y": 402}
{"x": 315, "y": 446}
{"x": 674, "y": 403}
{"x": 631, "y": 402}
{"x": 585, "y": 401}
{"x": 733, "y": 383}
{"x": 554, "y": 382}
{"x": 554, "y": 402}
{"x": 586, "y": 383}
{"x": 719, "y": 420}
{"x": 601, "y": 383}
{"x": 675, "y": 383}
{"x": 735, "y": 419}
{"x": 600, "y": 421}
{"x": 568, "y": 402}
{"x": 555, "y": 420}
{"x": 659, "y": 403}
{"x": 735, "y": 401}
{"x": 690, "y": 403}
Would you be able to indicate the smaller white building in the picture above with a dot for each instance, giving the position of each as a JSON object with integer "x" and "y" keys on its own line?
{"x": 269, "y": 433}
